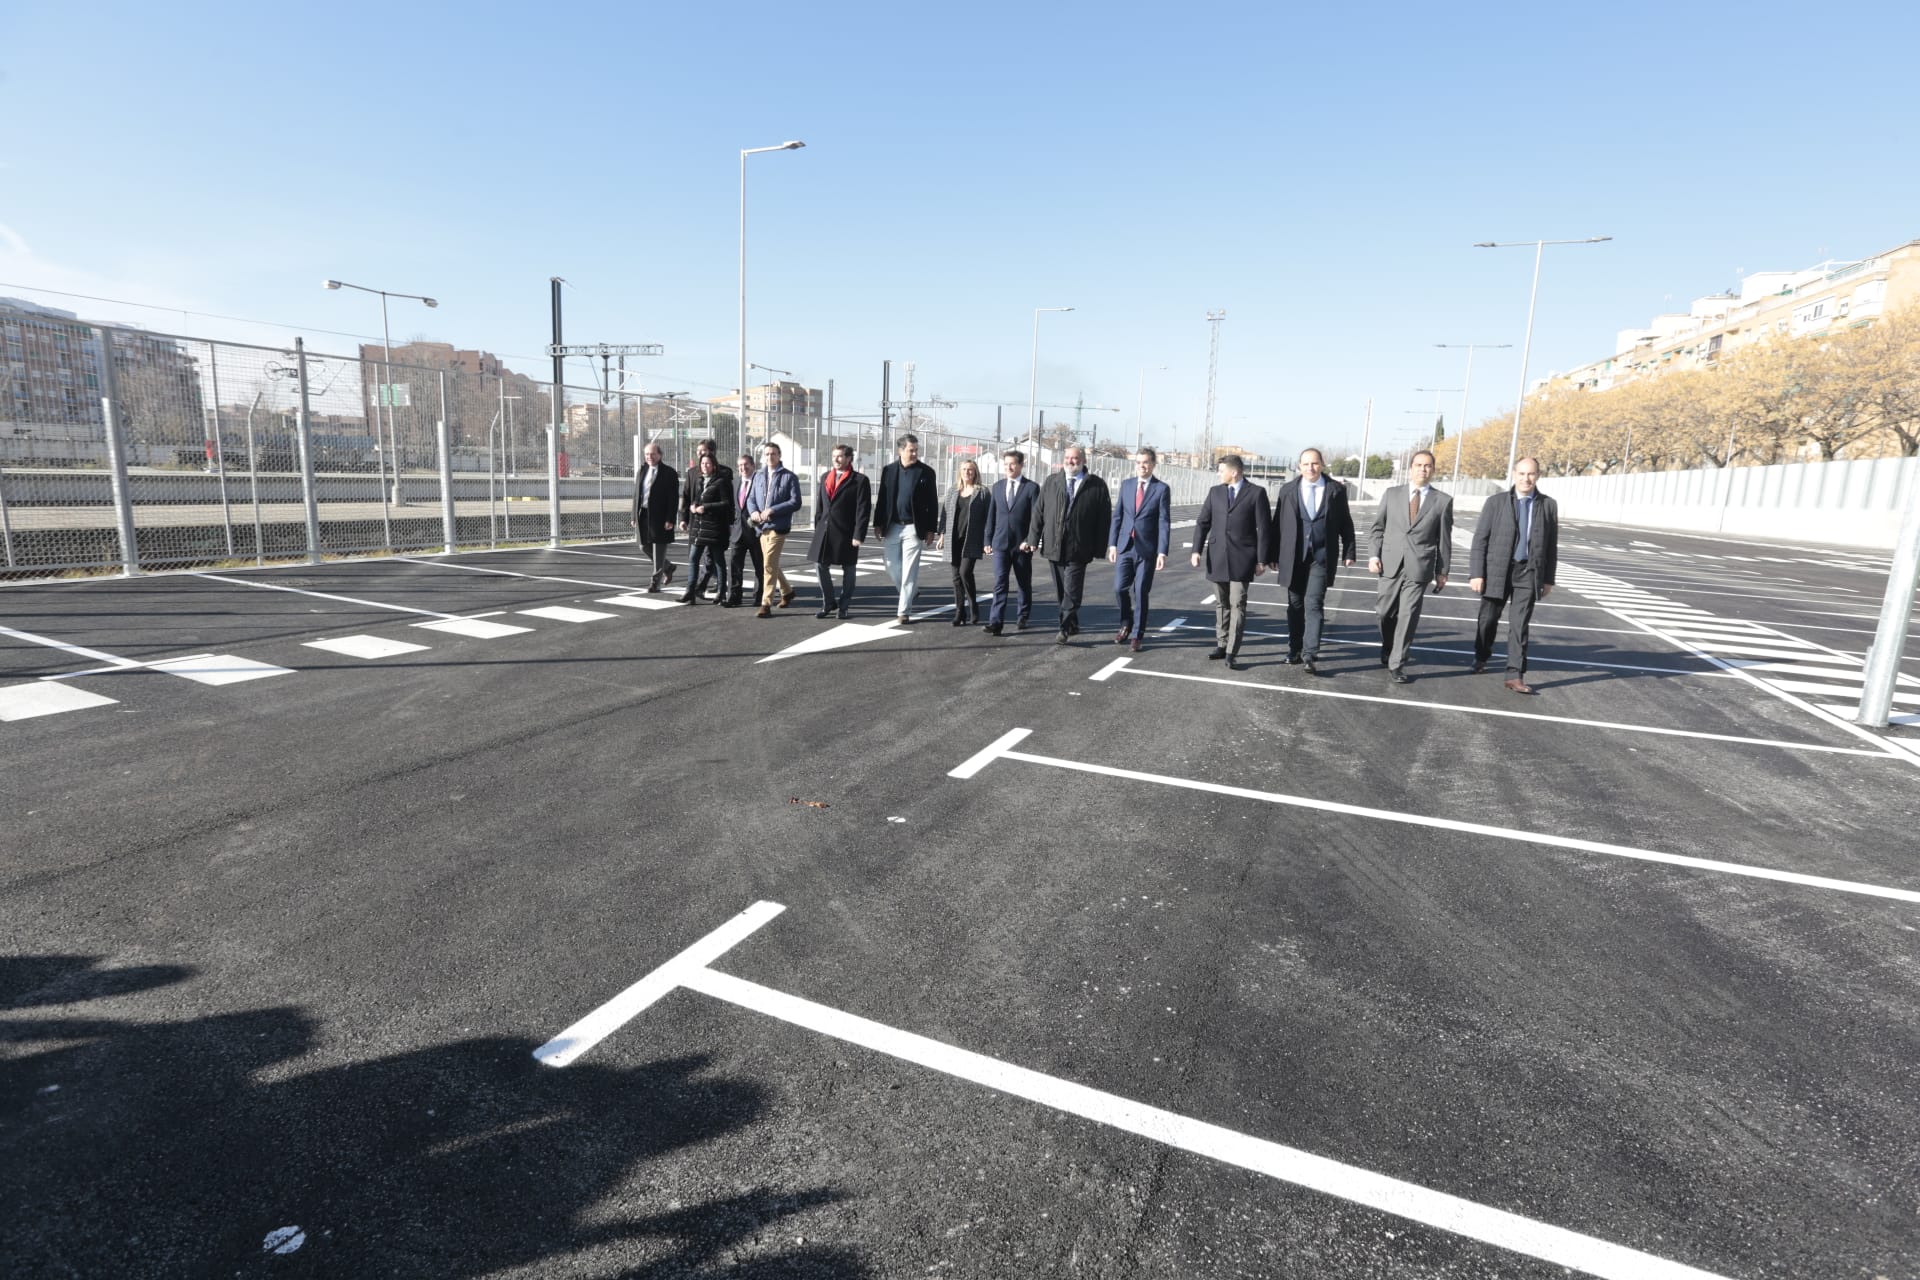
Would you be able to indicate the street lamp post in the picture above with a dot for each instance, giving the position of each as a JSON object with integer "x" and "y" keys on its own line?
{"x": 1140, "y": 410}
{"x": 748, "y": 151}
{"x": 1460, "y": 435}
{"x": 386, "y": 371}
{"x": 1033, "y": 375}
{"x": 1526, "y": 350}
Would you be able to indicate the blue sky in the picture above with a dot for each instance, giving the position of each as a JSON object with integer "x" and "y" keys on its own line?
{"x": 1318, "y": 173}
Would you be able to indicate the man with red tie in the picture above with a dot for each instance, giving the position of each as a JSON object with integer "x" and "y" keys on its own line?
{"x": 744, "y": 542}
{"x": 1137, "y": 544}
{"x": 842, "y": 510}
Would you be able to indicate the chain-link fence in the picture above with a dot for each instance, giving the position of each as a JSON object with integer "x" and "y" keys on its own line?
{"x": 160, "y": 451}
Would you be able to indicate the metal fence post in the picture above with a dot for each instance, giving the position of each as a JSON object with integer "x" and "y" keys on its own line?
{"x": 303, "y": 436}
{"x": 553, "y": 463}
{"x": 216, "y": 447}
{"x": 117, "y": 459}
{"x": 1890, "y": 638}
{"x": 447, "y": 530}
{"x": 6, "y": 523}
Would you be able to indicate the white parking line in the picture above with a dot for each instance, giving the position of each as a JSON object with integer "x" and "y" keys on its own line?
{"x": 324, "y": 595}
{"x": 1122, "y": 666}
{"x": 509, "y": 573}
{"x": 1438, "y": 1209}
{"x": 1001, "y": 749}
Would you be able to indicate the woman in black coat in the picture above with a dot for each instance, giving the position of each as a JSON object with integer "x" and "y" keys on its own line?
{"x": 965, "y": 519}
{"x": 709, "y": 520}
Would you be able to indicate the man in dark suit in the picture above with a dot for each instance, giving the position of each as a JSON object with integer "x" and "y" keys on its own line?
{"x": 1314, "y": 529}
{"x": 743, "y": 539}
{"x": 1009, "y": 514}
{"x": 1070, "y": 526}
{"x": 1411, "y": 546}
{"x": 656, "y": 499}
{"x": 1234, "y": 538}
{"x": 842, "y": 508}
{"x": 1137, "y": 544}
{"x": 906, "y": 515}
{"x": 1516, "y": 549}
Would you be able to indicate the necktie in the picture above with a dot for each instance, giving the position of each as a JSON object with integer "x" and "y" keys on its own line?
{"x": 1072, "y": 484}
{"x": 1413, "y": 507}
{"x": 746, "y": 487}
{"x": 1313, "y": 500}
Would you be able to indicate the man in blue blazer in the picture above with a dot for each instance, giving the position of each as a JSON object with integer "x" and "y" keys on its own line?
{"x": 774, "y": 498}
{"x": 1009, "y": 511}
{"x": 1137, "y": 544}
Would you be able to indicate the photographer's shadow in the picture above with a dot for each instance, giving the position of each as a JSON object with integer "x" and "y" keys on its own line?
{"x": 176, "y": 1148}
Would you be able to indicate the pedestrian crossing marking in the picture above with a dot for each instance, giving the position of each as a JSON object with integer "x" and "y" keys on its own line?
{"x": 637, "y": 600}
{"x": 366, "y": 646}
{"x": 561, "y": 613}
{"x": 478, "y": 628}
{"x": 220, "y": 668}
{"x": 46, "y": 698}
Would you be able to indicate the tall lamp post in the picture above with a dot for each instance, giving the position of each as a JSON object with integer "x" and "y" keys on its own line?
{"x": 386, "y": 360}
{"x": 1033, "y": 375}
{"x": 745, "y": 152}
{"x": 1140, "y": 410}
{"x": 1471, "y": 347}
{"x": 1526, "y": 351}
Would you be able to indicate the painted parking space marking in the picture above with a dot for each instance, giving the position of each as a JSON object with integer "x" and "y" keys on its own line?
{"x": 1124, "y": 666}
{"x": 509, "y": 573}
{"x": 324, "y": 595}
{"x": 46, "y": 698}
{"x": 640, "y": 600}
{"x": 78, "y": 651}
{"x": 1002, "y": 749}
{"x": 363, "y": 646}
{"x": 563, "y": 613}
{"x": 1533, "y": 659}
{"x": 220, "y": 668}
{"x": 477, "y": 628}
{"x": 691, "y": 971}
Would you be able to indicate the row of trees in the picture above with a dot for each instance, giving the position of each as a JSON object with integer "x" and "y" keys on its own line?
{"x": 1853, "y": 394}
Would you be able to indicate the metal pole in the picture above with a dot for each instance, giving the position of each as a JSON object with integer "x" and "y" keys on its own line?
{"x": 600, "y": 440}
{"x": 219, "y": 451}
{"x": 117, "y": 460}
{"x": 1140, "y": 413}
{"x": 253, "y": 477}
{"x": 6, "y": 524}
{"x": 554, "y": 428}
{"x": 509, "y": 468}
{"x": 304, "y": 441}
{"x": 1896, "y": 607}
{"x": 1526, "y": 354}
{"x": 1460, "y": 430}
{"x": 1033, "y": 368}
{"x": 743, "y": 303}
{"x": 493, "y": 508}
{"x": 449, "y": 532}
{"x": 886, "y": 407}
{"x": 393, "y": 432}
{"x": 1366, "y": 436}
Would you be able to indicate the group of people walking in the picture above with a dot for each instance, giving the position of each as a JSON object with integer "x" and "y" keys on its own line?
{"x": 733, "y": 518}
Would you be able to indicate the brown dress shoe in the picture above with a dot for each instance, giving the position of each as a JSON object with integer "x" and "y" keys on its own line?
{"x": 1519, "y": 686}
{"x": 1136, "y": 644}
{"x": 766, "y": 611}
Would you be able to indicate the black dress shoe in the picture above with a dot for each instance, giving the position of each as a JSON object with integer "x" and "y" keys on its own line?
{"x": 1312, "y": 670}
{"x": 1233, "y": 662}
{"x": 1020, "y": 625}
{"x": 668, "y": 576}
{"x": 1293, "y": 659}
{"x": 1401, "y": 677}
{"x": 688, "y": 597}
{"x": 959, "y": 622}
{"x": 1479, "y": 667}
{"x": 725, "y": 603}
{"x": 1062, "y": 638}
{"x": 824, "y": 613}
{"x": 845, "y": 612}
{"x": 1383, "y": 657}
{"x": 1073, "y": 628}
{"x": 1216, "y": 655}
{"x": 993, "y": 628}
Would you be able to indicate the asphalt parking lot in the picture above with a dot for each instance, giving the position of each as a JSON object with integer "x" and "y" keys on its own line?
{"x": 1205, "y": 973}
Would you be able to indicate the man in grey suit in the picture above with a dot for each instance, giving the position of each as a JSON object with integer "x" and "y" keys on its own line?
{"x": 1516, "y": 549}
{"x": 1411, "y": 545}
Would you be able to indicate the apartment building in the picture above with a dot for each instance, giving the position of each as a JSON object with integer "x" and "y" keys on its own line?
{"x": 777, "y": 407}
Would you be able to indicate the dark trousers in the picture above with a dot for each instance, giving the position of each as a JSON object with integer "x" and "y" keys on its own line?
{"x": 1133, "y": 584}
{"x": 712, "y": 556}
{"x": 1306, "y": 607}
{"x": 657, "y": 552}
{"x": 964, "y": 591}
{"x": 842, "y": 602}
{"x": 737, "y": 557}
{"x": 1069, "y": 581}
{"x": 1522, "y": 591}
{"x": 1018, "y": 565}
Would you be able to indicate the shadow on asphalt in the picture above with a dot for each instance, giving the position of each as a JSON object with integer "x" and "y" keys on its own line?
{"x": 176, "y": 1148}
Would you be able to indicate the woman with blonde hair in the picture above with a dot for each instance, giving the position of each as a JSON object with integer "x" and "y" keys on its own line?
{"x": 965, "y": 517}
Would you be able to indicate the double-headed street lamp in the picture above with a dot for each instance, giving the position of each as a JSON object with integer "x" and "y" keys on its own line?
{"x": 1140, "y": 411}
{"x": 1033, "y": 375}
{"x": 745, "y": 152}
{"x": 1471, "y": 347}
{"x": 1526, "y": 351}
{"x": 386, "y": 361}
